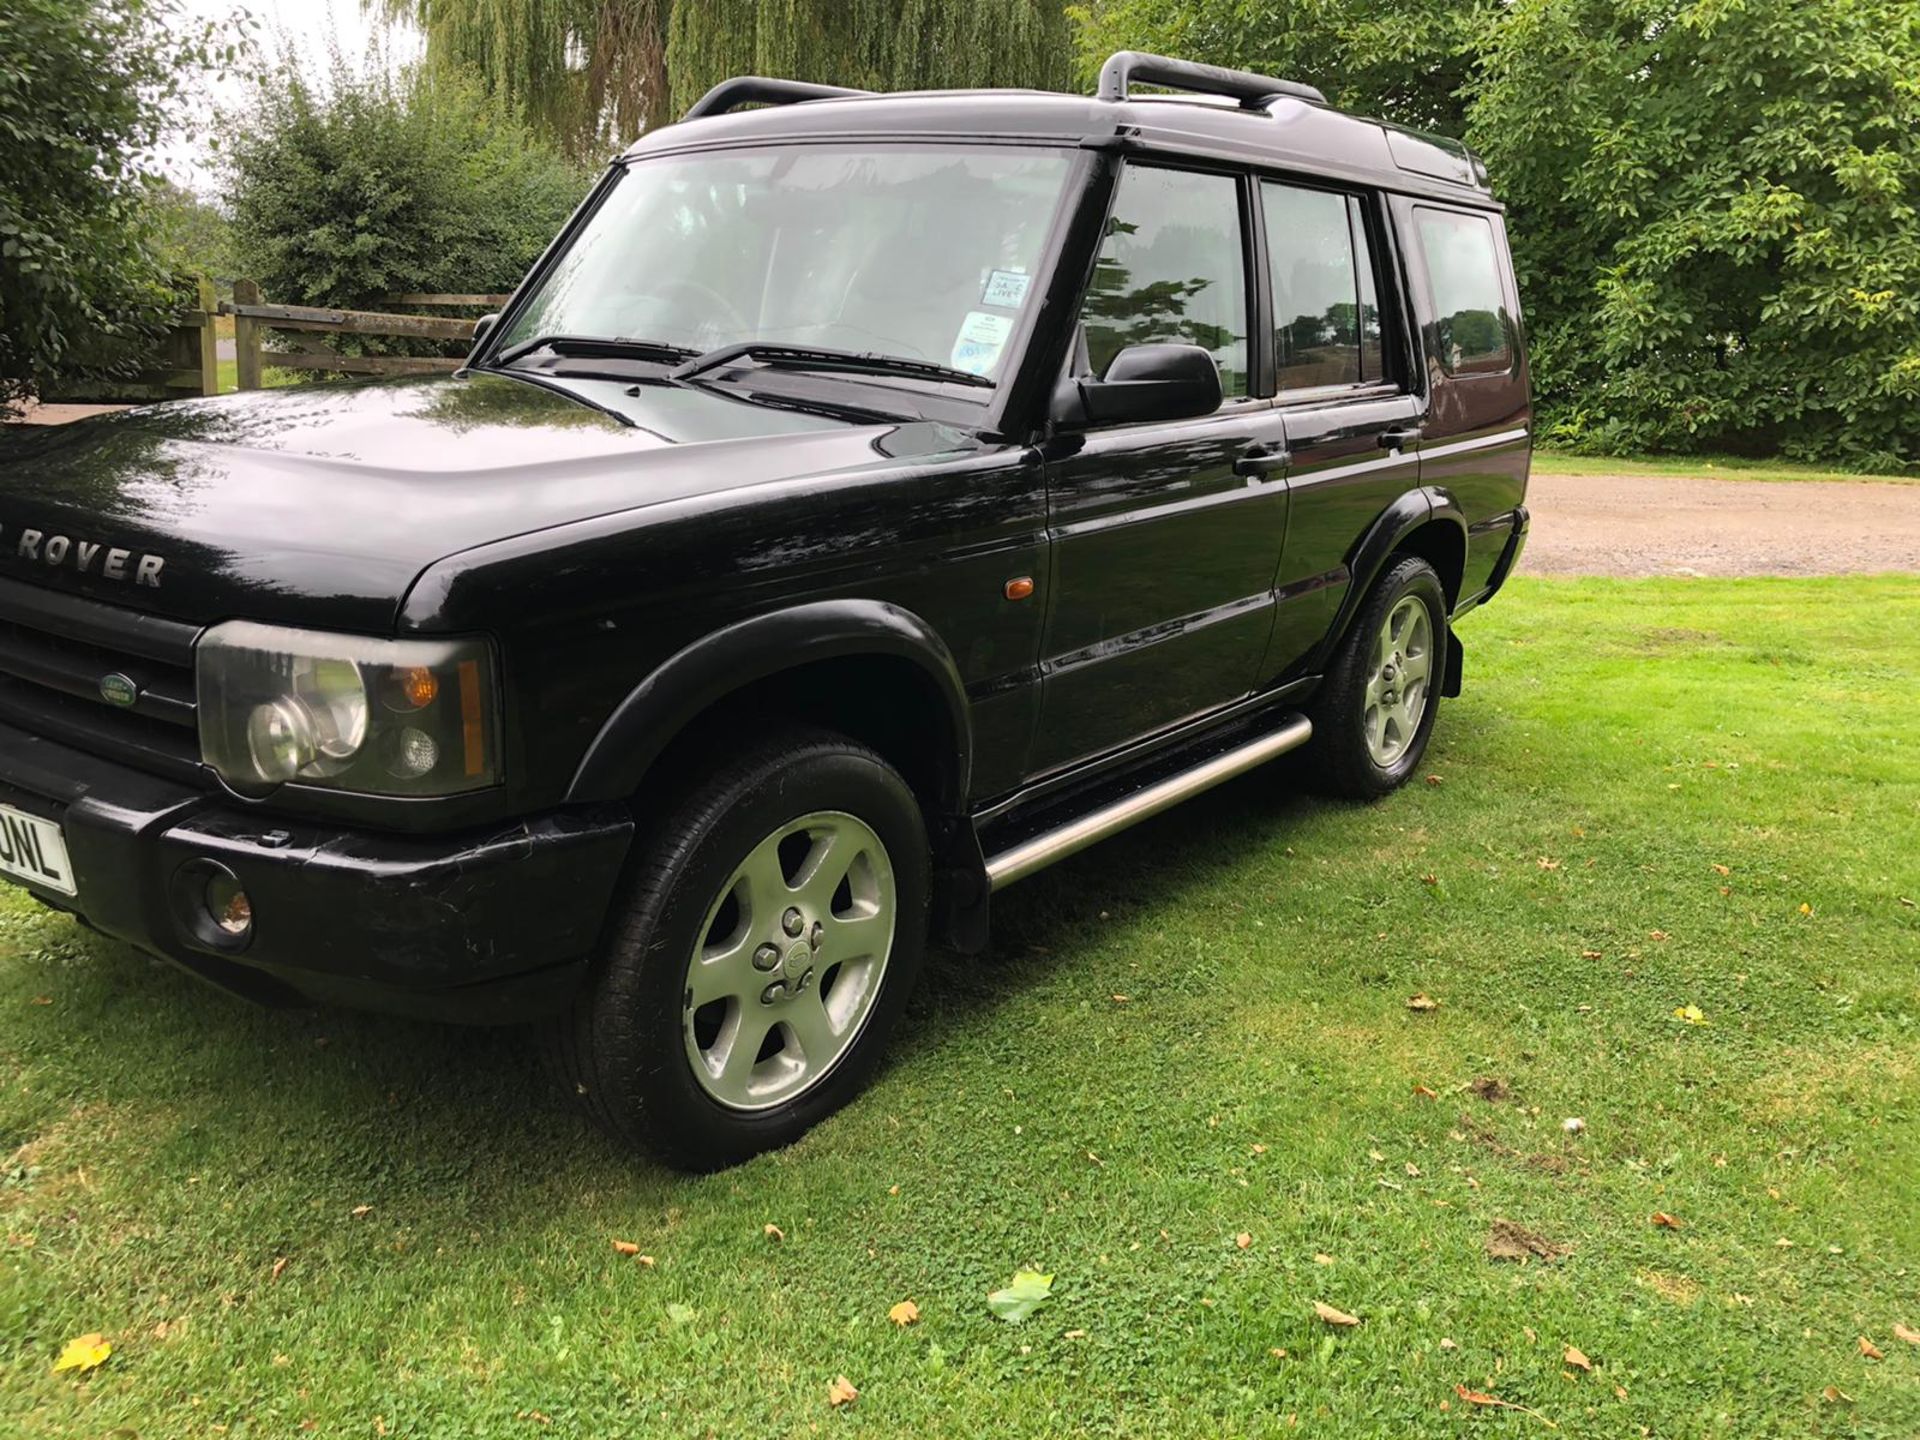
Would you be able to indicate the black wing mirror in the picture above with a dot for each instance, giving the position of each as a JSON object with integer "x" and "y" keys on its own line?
{"x": 1144, "y": 382}
{"x": 484, "y": 327}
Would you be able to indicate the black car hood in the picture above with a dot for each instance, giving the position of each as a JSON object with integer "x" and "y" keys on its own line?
{"x": 319, "y": 506}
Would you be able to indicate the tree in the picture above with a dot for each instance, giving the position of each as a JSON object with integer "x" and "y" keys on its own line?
{"x": 86, "y": 90}
{"x": 413, "y": 183}
{"x": 190, "y": 234}
{"x": 1714, "y": 217}
{"x": 1405, "y": 60}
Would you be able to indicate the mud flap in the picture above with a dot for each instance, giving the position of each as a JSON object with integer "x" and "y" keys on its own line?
{"x": 1456, "y": 666}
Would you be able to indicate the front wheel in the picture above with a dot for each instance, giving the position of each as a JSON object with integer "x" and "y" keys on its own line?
{"x": 1375, "y": 711}
{"x": 772, "y": 932}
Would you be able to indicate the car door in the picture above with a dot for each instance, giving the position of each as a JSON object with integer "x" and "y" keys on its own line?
{"x": 1344, "y": 395}
{"x": 1165, "y": 536}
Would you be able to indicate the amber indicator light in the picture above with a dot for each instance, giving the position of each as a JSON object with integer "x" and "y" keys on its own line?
{"x": 473, "y": 732}
{"x": 419, "y": 685}
{"x": 1020, "y": 587}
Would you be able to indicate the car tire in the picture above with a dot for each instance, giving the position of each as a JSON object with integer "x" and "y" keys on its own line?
{"x": 1370, "y": 725}
{"x": 770, "y": 935}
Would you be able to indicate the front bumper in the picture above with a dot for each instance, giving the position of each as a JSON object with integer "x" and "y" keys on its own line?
{"x": 493, "y": 926}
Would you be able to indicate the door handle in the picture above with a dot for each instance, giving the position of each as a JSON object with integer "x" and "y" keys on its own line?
{"x": 1261, "y": 460}
{"x": 1400, "y": 437}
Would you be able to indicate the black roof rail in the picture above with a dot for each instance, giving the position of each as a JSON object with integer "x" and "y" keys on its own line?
{"x": 760, "y": 90}
{"x": 1254, "y": 92}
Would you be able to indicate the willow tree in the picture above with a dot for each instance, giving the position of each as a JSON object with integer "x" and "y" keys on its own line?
{"x": 583, "y": 73}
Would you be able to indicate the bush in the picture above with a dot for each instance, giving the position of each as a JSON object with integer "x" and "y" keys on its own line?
{"x": 379, "y": 185}
{"x": 86, "y": 87}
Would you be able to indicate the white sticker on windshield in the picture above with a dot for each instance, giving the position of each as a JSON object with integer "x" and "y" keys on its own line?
{"x": 1006, "y": 288}
{"x": 982, "y": 338}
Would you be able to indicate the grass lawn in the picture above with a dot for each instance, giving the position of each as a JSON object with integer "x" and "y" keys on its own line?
{"x": 1717, "y": 467}
{"x": 1654, "y": 795}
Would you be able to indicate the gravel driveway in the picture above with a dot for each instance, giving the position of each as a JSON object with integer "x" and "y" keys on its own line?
{"x": 1655, "y": 525}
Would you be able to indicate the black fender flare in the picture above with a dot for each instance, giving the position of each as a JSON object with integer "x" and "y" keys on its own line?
{"x": 667, "y": 700}
{"x": 1409, "y": 511}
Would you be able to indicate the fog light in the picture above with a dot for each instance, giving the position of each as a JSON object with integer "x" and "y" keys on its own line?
{"x": 228, "y": 906}
{"x": 414, "y": 754}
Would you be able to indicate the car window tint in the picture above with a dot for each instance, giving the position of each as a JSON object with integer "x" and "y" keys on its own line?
{"x": 1472, "y": 330}
{"x": 1316, "y": 297}
{"x": 1172, "y": 270}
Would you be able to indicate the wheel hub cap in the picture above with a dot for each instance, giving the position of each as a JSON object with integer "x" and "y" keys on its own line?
{"x": 1397, "y": 689}
{"x": 790, "y": 961}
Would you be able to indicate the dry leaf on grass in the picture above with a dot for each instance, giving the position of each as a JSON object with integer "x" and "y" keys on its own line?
{"x": 1870, "y": 1350}
{"x": 841, "y": 1392}
{"x": 904, "y": 1314}
{"x": 1577, "y": 1358}
{"x": 1332, "y": 1316}
{"x": 1446, "y": 1344}
{"x": 1243, "y": 1240}
{"x": 1722, "y": 870}
{"x": 84, "y": 1352}
{"x": 774, "y": 1232}
{"x": 1692, "y": 1014}
{"x": 1319, "y": 1259}
{"x": 360, "y": 1212}
{"x": 1480, "y": 1397}
{"x": 1508, "y": 1241}
{"x": 41, "y": 1000}
{"x": 1834, "y": 1395}
{"x": 1423, "y": 1001}
{"x": 625, "y": 1247}
{"x": 1906, "y": 1333}
{"x": 1429, "y": 879}
{"x": 1426, "y": 1092}
{"x": 1664, "y": 1221}
{"x": 278, "y": 1267}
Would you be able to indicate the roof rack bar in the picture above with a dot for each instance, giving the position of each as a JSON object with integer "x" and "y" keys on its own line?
{"x": 760, "y": 90}
{"x": 1254, "y": 92}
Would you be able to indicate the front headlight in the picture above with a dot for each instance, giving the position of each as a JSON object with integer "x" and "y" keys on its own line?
{"x": 375, "y": 717}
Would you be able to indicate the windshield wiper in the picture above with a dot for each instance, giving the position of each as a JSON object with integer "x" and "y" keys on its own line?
{"x": 814, "y": 357}
{"x": 615, "y": 346}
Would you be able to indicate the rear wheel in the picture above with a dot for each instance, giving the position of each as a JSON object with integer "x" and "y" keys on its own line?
{"x": 772, "y": 932}
{"x": 1375, "y": 712}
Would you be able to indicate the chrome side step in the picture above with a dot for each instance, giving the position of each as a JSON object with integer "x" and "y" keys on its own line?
{"x": 1042, "y": 850}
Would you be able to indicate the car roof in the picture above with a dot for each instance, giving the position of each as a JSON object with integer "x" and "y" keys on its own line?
{"x": 1285, "y": 133}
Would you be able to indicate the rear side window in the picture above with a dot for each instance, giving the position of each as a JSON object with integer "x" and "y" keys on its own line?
{"x": 1473, "y": 329}
{"x": 1172, "y": 270}
{"x": 1326, "y": 305}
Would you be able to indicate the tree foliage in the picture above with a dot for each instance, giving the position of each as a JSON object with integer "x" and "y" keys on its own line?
{"x": 378, "y": 184}
{"x": 87, "y": 87}
{"x": 1712, "y": 202}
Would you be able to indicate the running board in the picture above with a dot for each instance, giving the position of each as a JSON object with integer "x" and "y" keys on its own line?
{"x": 1089, "y": 829}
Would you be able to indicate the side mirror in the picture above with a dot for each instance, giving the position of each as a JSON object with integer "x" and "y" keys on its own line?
{"x": 483, "y": 327}
{"x": 1144, "y": 383}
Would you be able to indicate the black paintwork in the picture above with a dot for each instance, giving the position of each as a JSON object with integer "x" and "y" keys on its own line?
{"x": 657, "y": 560}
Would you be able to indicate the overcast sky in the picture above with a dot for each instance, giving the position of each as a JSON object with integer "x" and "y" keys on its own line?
{"x": 310, "y": 27}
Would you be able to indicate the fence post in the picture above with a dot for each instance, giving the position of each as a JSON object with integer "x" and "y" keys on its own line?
{"x": 209, "y": 359}
{"x": 246, "y": 336}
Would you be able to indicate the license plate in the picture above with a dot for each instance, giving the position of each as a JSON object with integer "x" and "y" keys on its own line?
{"x": 33, "y": 849}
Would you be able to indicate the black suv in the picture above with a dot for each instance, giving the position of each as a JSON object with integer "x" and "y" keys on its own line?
{"x": 866, "y": 501}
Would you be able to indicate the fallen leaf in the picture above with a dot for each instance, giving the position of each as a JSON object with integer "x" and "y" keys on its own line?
{"x": 1435, "y": 780}
{"x": 1722, "y": 870}
{"x": 1446, "y": 1344}
{"x": 1259, "y": 1149}
{"x": 1028, "y": 1291}
{"x": 360, "y": 1212}
{"x": 1429, "y": 879}
{"x": 41, "y": 1000}
{"x": 774, "y": 1232}
{"x": 84, "y": 1352}
{"x": 1577, "y": 1358}
{"x": 625, "y": 1247}
{"x": 1870, "y": 1350}
{"x": 904, "y": 1314}
{"x": 1122, "y": 999}
{"x": 278, "y": 1266}
{"x": 1906, "y": 1333}
{"x": 1426, "y": 1093}
{"x": 1547, "y": 863}
{"x": 645, "y": 1262}
{"x": 1664, "y": 1220}
{"x": 1833, "y": 1394}
{"x": 1332, "y": 1316}
{"x": 1413, "y": 1170}
{"x": 1658, "y": 935}
{"x": 1278, "y": 1353}
{"x": 1328, "y": 1260}
{"x": 1423, "y": 1001}
{"x": 1480, "y": 1397}
{"x": 1805, "y": 909}
{"x": 1375, "y": 1156}
{"x": 1692, "y": 1014}
{"x": 841, "y": 1392}
{"x": 1243, "y": 1240}
{"x": 1508, "y": 1241}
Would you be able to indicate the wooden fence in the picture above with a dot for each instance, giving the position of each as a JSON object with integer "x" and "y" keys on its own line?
{"x": 253, "y": 319}
{"x": 184, "y": 362}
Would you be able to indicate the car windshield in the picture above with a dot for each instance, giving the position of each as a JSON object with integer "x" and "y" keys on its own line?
{"x": 926, "y": 254}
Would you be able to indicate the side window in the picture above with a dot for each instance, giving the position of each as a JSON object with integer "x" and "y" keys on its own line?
{"x": 1172, "y": 269}
{"x": 1326, "y": 305}
{"x": 1473, "y": 331}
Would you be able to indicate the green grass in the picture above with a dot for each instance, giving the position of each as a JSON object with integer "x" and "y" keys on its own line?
{"x": 1718, "y": 467}
{"x": 1618, "y": 741}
